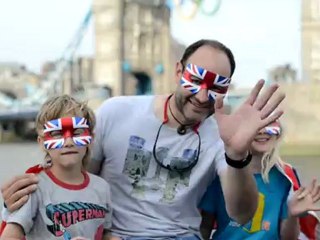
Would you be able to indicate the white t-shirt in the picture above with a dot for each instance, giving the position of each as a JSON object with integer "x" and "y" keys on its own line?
{"x": 56, "y": 210}
{"x": 149, "y": 200}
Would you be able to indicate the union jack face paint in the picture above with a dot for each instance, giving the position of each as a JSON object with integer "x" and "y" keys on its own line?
{"x": 274, "y": 129}
{"x": 58, "y": 130}
{"x": 195, "y": 78}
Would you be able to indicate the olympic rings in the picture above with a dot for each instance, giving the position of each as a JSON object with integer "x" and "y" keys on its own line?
{"x": 211, "y": 9}
{"x": 183, "y": 10}
{"x": 187, "y": 9}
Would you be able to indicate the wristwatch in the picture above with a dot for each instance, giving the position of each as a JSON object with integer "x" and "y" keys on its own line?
{"x": 238, "y": 163}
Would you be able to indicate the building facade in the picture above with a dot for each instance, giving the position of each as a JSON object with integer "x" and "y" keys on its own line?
{"x": 135, "y": 53}
{"x": 310, "y": 27}
{"x": 17, "y": 80}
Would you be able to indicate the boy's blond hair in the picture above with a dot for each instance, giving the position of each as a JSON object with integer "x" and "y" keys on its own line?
{"x": 60, "y": 106}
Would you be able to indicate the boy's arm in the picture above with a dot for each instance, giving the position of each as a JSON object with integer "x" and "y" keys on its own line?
{"x": 23, "y": 217}
{"x": 12, "y": 231}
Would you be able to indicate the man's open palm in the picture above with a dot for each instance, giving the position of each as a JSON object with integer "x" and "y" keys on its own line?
{"x": 238, "y": 129}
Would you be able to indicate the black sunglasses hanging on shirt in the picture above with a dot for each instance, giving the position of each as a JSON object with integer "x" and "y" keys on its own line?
{"x": 184, "y": 164}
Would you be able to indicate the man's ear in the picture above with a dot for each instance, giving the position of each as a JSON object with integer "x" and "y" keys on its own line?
{"x": 178, "y": 71}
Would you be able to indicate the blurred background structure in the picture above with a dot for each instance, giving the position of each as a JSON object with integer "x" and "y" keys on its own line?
{"x": 136, "y": 51}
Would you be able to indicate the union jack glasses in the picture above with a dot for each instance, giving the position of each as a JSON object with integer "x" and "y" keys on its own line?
{"x": 195, "y": 78}
{"x": 58, "y": 130}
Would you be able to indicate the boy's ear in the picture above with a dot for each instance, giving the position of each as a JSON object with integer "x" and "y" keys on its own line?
{"x": 40, "y": 142}
{"x": 91, "y": 143}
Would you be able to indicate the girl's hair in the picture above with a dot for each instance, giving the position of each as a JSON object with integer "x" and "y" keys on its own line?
{"x": 271, "y": 158}
{"x": 60, "y": 106}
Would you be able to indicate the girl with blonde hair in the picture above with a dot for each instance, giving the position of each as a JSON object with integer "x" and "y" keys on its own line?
{"x": 279, "y": 206}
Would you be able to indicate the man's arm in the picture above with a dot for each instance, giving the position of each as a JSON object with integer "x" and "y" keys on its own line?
{"x": 237, "y": 131}
{"x": 97, "y": 153}
{"x": 16, "y": 191}
{"x": 240, "y": 193}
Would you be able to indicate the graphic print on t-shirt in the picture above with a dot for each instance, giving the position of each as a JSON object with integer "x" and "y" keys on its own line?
{"x": 145, "y": 179}
{"x": 63, "y": 215}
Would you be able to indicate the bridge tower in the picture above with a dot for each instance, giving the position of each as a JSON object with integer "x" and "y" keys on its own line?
{"x": 310, "y": 21}
{"x": 133, "y": 46}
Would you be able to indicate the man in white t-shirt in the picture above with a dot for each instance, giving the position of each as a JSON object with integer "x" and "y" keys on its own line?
{"x": 159, "y": 153}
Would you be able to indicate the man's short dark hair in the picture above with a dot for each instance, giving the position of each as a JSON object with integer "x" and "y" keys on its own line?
{"x": 212, "y": 43}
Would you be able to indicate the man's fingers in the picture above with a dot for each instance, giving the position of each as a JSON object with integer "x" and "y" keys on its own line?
{"x": 273, "y": 104}
{"x": 255, "y": 92}
{"x": 272, "y": 118}
{"x": 218, "y": 105}
{"x": 22, "y": 192}
{"x": 19, "y": 186}
{"x": 18, "y": 204}
{"x": 15, "y": 179}
{"x": 263, "y": 99}
{"x": 18, "y": 183}
{"x": 17, "y": 196}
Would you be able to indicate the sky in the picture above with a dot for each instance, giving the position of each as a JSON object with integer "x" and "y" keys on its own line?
{"x": 261, "y": 33}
